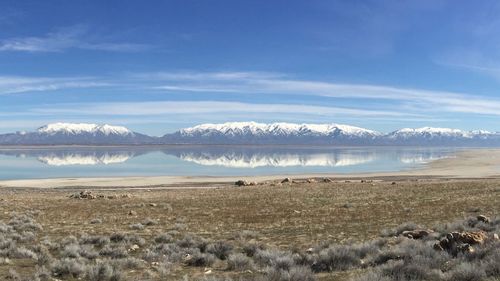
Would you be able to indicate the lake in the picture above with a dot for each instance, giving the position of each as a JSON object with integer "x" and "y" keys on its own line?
{"x": 54, "y": 162}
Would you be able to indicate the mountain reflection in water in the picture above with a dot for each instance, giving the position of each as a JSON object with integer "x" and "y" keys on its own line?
{"x": 232, "y": 156}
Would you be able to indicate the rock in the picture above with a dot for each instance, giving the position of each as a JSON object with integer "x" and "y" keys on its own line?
{"x": 465, "y": 248}
{"x": 112, "y": 196}
{"x": 241, "y": 183}
{"x": 132, "y": 213}
{"x": 417, "y": 233}
{"x": 495, "y": 236}
{"x": 476, "y": 237}
{"x": 153, "y": 204}
{"x": 393, "y": 183}
{"x": 327, "y": 180}
{"x": 311, "y": 180}
{"x": 461, "y": 241}
{"x": 134, "y": 248}
{"x": 127, "y": 195}
{"x": 85, "y": 194}
{"x": 483, "y": 218}
{"x": 245, "y": 183}
{"x": 286, "y": 180}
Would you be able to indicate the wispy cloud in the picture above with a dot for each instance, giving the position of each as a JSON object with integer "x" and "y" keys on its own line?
{"x": 210, "y": 107}
{"x": 75, "y": 37}
{"x": 16, "y": 84}
{"x": 419, "y": 99}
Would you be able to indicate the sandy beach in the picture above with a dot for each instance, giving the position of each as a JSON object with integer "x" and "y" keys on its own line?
{"x": 473, "y": 163}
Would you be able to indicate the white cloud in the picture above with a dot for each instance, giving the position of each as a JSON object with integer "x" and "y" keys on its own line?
{"x": 210, "y": 107}
{"x": 423, "y": 100}
{"x": 17, "y": 84}
{"x": 75, "y": 37}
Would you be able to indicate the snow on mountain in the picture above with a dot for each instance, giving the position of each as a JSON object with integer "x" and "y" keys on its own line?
{"x": 80, "y": 128}
{"x": 253, "y": 128}
{"x": 430, "y": 132}
{"x": 274, "y": 133}
{"x": 251, "y": 133}
{"x": 77, "y": 134}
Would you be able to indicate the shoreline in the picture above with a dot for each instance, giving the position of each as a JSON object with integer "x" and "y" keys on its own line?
{"x": 471, "y": 163}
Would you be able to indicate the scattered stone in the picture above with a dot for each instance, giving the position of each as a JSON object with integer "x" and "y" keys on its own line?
{"x": 347, "y": 205}
{"x": 483, "y": 218}
{"x": 132, "y": 213}
{"x": 111, "y": 197}
{"x": 244, "y": 183}
{"x": 461, "y": 241}
{"x": 85, "y": 194}
{"x": 417, "y": 233}
{"x": 327, "y": 180}
{"x": 134, "y": 248}
{"x": 153, "y": 204}
{"x": 240, "y": 183}
{"x": 287, "y": 180}
{"x": 127, "y": 195}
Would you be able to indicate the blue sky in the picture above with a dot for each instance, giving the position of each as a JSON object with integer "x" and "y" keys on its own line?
{"x": 156, "y": 66}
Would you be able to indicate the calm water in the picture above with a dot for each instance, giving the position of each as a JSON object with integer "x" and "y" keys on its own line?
{"x": 208, "y": 160}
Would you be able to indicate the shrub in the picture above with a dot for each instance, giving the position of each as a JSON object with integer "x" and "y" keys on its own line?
{"x": 164, "y": 238}
{"x": 103, "y": 272}
{"x": 136, "y": 226}
{"x": 200, "y": 259}
{"x": 69, "y": 267}
{"x": 220, "y": 249}
{"x": 466, "y": 272}
{"x": 336, "y": 258}
{"x": 299, "y": 273}
{"x": 239, "y": 262}
{"x": 149, "y": 222}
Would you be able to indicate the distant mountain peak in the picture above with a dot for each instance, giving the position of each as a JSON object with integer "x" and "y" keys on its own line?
{"x": 282, "y": 128}
{"x": 79, "y": 128}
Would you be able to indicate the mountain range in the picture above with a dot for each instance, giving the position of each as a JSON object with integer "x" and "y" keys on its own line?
{"x": 251, "y": 133}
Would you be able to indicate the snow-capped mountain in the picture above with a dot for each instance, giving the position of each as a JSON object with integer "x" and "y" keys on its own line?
{"x": 251, "y": 133}
{"x": 83, "y": 128}
{"x": 441, "y": 136}
{"x": 77, "y": 134}
{"x": 274, "y": 133}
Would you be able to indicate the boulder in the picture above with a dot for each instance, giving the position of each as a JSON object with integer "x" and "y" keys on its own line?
{"x": 456, "y": 242}
{"x": 327, "y": 180}
{"x": 287, "y": 180}
{"x": 483, "y": 218}
{"x": 245, "y": 183}
{"x": 85, "y": 194}
{"x": 241, "y": 183}
{"x": 417, "y": 233}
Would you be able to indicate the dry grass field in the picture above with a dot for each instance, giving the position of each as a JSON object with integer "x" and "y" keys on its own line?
{"x": 224, "y": 230}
